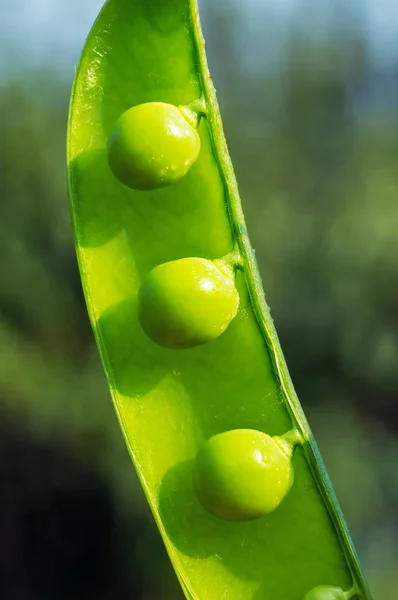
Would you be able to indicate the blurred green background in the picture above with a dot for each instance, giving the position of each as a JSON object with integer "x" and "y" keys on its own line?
{"x": 309, "y": 95}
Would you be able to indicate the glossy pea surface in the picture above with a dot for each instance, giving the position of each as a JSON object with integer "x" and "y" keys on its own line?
{"x": 324, "y": 592}
{"x": 187, "y": 302}
{"x": 170, "y": 402}
{"x": 152, "y": 145}
{"x": 242, "y": 474}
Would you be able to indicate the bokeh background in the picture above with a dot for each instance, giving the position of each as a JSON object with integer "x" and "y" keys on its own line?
{"x": 309, "y": 95}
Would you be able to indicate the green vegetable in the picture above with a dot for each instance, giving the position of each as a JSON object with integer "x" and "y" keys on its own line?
{"x": 170, "y": 402}
{"x": 242, "y": 474}
{"x": 152, "y": 145}
{"x": 187, "y": 302}
{"x": 323, "y": 592}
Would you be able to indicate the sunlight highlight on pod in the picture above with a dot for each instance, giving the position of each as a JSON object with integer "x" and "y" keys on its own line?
{"x": 187, "y": 302}
{"x": 244, "y": 474}
{"x": 153, "y": 145}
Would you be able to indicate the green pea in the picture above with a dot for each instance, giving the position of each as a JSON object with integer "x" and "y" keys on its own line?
{"x": 242, "y": 474}
{"x": 152, "y": 145}
{"x": 324, "y": 592}
{"x": 187, "y": 302}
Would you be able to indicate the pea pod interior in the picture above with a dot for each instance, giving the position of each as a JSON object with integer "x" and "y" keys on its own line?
{"x": 169, "y": 401}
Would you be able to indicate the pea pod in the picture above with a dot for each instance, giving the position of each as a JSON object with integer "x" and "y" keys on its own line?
{"x": 206, "y": 405}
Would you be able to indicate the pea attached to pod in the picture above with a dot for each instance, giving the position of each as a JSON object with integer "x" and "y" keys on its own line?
{"x": 324, "y": 592}
{"x": 243, "y": 474}
{"x": 153, "y": 145}
{"x": 187, "y": 302}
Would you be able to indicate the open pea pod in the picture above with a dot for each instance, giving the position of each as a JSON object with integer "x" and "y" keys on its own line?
{"x": 209, "y": 414}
